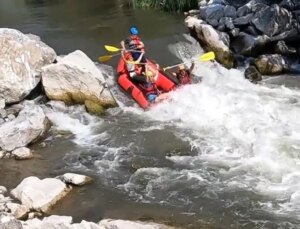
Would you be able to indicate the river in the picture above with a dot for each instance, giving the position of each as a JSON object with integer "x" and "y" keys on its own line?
{"x": 223, "y": 153}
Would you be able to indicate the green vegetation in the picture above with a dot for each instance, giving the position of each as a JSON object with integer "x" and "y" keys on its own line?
{"x": 167, "y": 5}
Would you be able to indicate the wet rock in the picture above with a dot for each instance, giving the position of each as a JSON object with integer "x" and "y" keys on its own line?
{"x": 209, "y": 12}
{"x": 75, "y": 79}
{"x": 9, "y": 222}
{"x": 40, "y": 195}
{"x": 122, "y": 224}
{"x": 21, "y": 59}
{"x": 273, "y": 20}
{"x": 271, "y": 64}
{"x": 75, "y": 179}
{"x": 22, "y": 153}
{"x": 17, "y": 210}
{"x": 212, "y": 40}
{"x": 227, "y": 21}
{"x": 229, "y": 11}
{"x": 26, "y": 128}
{"x": 248, "y": 45}
{"x": 94, "y": 108}
{"x": 252, "y": 74}
{"x": 282, "y": 48}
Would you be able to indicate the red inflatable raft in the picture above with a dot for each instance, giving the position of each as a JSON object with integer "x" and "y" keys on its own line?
{"x": 162, "y": 82}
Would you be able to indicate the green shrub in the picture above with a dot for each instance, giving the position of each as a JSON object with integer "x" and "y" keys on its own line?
{"x": 167, "y": 5}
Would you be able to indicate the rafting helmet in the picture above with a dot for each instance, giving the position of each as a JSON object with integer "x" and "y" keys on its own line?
{"x": 181, "y": 67}
{"x": 133, "y": 30}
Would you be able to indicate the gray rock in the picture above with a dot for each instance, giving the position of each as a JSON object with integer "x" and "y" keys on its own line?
{"x": 210, "y": 12}
{"x": 252, "y": 74}
{"x": 229, "y": 11}
{"x": 2, "y": 113}
{"x": 271, "y": 64}
{"x": 22, "y": 153}
{"x": 26, "y": 128}
{"x": 4, "y": 155}
{"x": 2, "y": 103}
{"x": 75, "y": 179}
{"x": 17, "y": 210}
{"x": 11, "y": 117}
{"x": 272, "y": 20}
{"x": 234, "y": 32}
{"x": 38, "y": 194}
{"x": 75, "y": 79}
{"x": 21, "y": 59}
{"x": 242, "y": 21}
{"x": 3, "y": 190}
{"x": 9, "y": 222}
{"x": 122, "y": 224}
{"x": 282, "y": 48}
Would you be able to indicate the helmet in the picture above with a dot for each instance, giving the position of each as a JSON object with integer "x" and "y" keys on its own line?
{"x": 133, "y": 30}
{"x": 181, "y": 67}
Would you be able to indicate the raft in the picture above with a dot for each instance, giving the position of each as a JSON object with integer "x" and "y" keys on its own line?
{"x": 162, "y": 82}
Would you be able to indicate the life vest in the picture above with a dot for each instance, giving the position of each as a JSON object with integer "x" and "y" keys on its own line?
{"x": 133, "y": 69}
{"x": 184, "y": 78}
{"x": 148, "y": 88}
{"x": 134, "y": 42}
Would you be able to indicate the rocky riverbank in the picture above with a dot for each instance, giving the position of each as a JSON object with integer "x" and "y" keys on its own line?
{"x": 260, "y": 35}
{"x": 31, "y": 74}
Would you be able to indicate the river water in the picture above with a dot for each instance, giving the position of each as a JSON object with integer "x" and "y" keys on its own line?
{"x": 223, "y": 153}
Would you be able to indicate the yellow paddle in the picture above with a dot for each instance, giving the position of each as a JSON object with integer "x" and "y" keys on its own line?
{"x": 106, "y": 58}
{"x": 112, "y": 48}
{"x": 205, "y": 57}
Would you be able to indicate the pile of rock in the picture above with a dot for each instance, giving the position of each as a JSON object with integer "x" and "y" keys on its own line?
{"x": 241, "y": 30}
{"x": 26, "y": 64}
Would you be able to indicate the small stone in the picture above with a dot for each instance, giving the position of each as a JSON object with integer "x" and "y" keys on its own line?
{"x": 32, "y": 215}
{"x": 3, "y": 190}
{"x": 17, "y": 210}
{"x": 22, "y": 153}
{"x": 11, "y": 117}
{"x": 2, "y": 113}
{"x": 2, "y": 103}
{"x": 4, "y": 155}
{"x": 75, "y": 179}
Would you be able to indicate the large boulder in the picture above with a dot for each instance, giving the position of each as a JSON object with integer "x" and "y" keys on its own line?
{"x": 40, "y": 195}
{"x": 273, "y": 20}
{"x": 212, "y": 40}
{"x": 21, "y": 60}
{"x": 30, "y": 124}
{"x": 248, "y": 45}
{"x": 271, "y": 64}
{"x": 75, "y": 79}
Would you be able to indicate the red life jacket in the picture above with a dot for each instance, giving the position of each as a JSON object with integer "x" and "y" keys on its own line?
{"x": 184, "y": 78}
{"x": 148, "y": 88}
{"x": 135, "y": 41}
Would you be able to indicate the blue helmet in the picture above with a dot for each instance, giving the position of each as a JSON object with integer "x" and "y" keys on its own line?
{"x": 133, "y": 30}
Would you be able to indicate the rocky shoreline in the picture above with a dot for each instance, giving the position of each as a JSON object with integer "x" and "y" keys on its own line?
{"x": 31, "y": 74}
{"x": 259, "y": 35}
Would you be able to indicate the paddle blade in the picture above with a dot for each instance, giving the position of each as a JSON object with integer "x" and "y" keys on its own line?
{"x": 207, "y": 56}
{"x": 104, "y": 58}
{"x": 111, "y": 48}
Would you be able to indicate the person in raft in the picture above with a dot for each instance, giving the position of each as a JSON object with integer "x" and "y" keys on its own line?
{"x": 183, "y": 74}
{"x": 151, "y": 91}
{"x": 134, "y": 70}
{"x": 136, "y": 46}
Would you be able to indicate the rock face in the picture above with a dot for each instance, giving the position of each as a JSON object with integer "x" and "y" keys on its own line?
{"x": 26, "y": 128}
{"x": 21, "y": 60}
{"x": 75, "y": 79}
{"x": 40, "y": 195}
{"x": 254, "y": 28}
